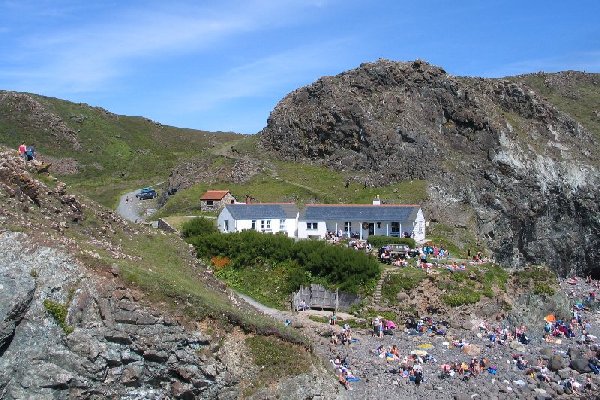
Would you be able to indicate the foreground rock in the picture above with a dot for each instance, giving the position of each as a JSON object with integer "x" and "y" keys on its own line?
{"x": 117, "y": 348}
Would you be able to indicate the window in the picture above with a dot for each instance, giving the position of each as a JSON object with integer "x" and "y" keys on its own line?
{"x": 226, "y": 225}
{"x": 209, "y": 202}
{"x": 347, "y": 226}
{"x": 282, "y": 224}
{"x": 395, "y": 227}
{"x": 312, "y": 225}
{"x": 253, "y": 225}
{"x": 265, "y": 224}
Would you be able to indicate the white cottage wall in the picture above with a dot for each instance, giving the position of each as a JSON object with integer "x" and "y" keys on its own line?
{"x": 225, "y": 215}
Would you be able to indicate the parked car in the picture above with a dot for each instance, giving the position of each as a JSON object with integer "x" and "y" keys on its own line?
{"x": 146, "y": 193}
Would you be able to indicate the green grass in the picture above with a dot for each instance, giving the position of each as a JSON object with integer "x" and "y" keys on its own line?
{"x": 276, "y": 360}
{"x": 165, "y": 276}
{"x": 268, "y": 284}
{"x": 117, "y": 152}
{"x": 459, "y": 288}
{"x": 467, "y": 287}
{"x": 582, "y": 102}
{"x": 457, "y": 240}
{"x": 404, "y": 279}
{"x": 542, "y": 280}
{"x": 461, "y": 297}
{"x": 296, "y": 183}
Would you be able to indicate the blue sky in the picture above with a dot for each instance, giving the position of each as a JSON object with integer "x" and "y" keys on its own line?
{"x": 224, "y": 65}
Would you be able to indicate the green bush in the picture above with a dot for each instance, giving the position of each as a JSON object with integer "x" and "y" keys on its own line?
{"x": 543, "y": 289}
{"x": 340, "y": 267}
{"x": 462, "y": 297}
{"x": 380, "y": 241}
{"x": 198, "y": 227}
{"x": 59, "y": 313}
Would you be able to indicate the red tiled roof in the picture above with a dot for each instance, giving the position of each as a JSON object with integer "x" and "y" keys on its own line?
{"x": 214, "y": 195}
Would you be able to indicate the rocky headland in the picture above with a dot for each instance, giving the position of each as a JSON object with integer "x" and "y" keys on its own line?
{"x": 498, "y": 157}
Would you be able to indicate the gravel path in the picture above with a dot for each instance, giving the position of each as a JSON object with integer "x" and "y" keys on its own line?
{"x": 130, "y": 207}
{"x": 135, "y": 210}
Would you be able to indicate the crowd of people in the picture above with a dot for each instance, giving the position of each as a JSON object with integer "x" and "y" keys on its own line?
{"x": 500, "y": 337}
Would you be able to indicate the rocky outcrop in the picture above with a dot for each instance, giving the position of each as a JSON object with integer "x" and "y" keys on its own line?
{"x": 233, "y": 168}
{"x": 117, "y": 348}
{"x": 38, "y": 117}
{"x": 497, "y": 156}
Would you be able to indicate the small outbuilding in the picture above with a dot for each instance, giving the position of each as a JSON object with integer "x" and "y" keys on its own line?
{"x": 214, "y": 200}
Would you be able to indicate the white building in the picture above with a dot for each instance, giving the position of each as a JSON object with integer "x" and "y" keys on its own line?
{"x": 261, "y": 217}
{"x": 352, "y": 220}
{"x": 362, "y": 220}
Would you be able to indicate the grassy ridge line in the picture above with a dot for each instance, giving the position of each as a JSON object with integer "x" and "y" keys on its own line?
{"x": 117, "y": 152}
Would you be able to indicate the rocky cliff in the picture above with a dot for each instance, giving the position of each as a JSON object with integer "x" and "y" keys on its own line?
{"x": 498, "y": 157}
{"x": 117, "y": 348}
{"x": 77, "y": 321}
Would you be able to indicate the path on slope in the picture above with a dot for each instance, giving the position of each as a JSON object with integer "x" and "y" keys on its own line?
{"x": 135, "y": 210}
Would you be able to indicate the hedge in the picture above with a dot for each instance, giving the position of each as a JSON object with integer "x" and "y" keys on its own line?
{"x": 380, "y": 241}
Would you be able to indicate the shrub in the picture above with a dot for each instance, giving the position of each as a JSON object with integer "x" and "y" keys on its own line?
{"x": 462, "y": 297}
{"x": 198, "y": 227}
{"x": 543, "y": 289}
{"x": 220, "y": 262}
{"x": 380, "y": 241}
{"x": 276, "y": 360}
{"x": 59, "y": 313}
{"x": 344, "y": 268}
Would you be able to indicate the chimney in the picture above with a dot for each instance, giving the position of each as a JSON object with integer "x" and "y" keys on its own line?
{"x": 248, "y": 199}
{"x": 377, "y": 201}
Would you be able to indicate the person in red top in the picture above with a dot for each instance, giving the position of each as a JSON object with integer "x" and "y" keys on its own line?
{"x": 22, "y": 149}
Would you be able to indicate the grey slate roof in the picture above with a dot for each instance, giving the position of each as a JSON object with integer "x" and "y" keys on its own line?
{"x": 262, "y": 211}
{"x": 360, "y": 212}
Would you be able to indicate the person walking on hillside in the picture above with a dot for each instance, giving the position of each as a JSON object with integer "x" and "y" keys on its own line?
{"x": 30, "y": 153}
{"x": 22, "y": 150}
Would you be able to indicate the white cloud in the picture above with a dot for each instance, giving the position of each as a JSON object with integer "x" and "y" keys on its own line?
{"x": 88, "y": 57}
{"x": 282, "y": 71}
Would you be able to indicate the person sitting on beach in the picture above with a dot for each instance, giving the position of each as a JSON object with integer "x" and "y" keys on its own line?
{"x": 395, "y": 352}
{"x": 334, "y": 339}
{"x": 474, "y": 367}
{"x": 521, "y": 363}
{"x": 343, "y": 381}
{"x": 446, "y": 370}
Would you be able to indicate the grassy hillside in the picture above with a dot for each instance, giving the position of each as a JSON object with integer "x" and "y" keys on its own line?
{"x": 575, "y": 93}
{"x": 112, "y": 152}
{"x": 291, "y": 182}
